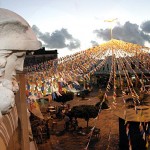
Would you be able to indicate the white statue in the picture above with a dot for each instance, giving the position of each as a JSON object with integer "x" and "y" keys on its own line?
{"x": 6, "y": 100}
{"x": 16, "y": 37}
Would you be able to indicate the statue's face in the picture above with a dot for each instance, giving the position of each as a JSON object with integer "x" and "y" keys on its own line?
{"x": 14, "y": 62}
{"x": 10, "y": 62}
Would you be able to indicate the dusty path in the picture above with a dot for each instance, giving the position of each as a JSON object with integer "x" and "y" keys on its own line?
{"x": 107, "y": 123}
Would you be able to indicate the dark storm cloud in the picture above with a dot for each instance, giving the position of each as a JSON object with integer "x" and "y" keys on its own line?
{"x": 146, "y": 26}
{"x": 128, "y": 32}
{"x": 57, "y": 39}
{"x": 94, "y": 43}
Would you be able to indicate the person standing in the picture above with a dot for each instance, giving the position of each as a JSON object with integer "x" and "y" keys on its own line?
{"x": 67, "y": 122}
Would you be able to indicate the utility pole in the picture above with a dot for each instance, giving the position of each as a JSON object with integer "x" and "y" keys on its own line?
{"x": 111, "y": 21}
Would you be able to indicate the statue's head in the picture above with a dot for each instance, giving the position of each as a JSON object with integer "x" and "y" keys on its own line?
{"x": 15, "y": 33}
{"x": 16, "y": 37}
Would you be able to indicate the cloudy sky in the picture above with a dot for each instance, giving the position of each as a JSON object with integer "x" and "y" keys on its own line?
{"x": 74, "y": 25}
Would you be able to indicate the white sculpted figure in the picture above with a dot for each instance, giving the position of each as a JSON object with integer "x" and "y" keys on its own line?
{"x": 16, "y": 37}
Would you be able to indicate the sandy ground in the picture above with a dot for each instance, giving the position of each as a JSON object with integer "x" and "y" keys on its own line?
{"x": 107, "y": 123}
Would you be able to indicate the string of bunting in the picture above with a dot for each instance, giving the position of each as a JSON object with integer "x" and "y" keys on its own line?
{"x": 125, "y": 109}
{"x": 114, "y": 103}
{"x": 130, "y": 67}
{"x": 129, "y": 81}
{"x": 100, "y": 106}
{"x": 70, "y": 74}
{"x": 133, "y": 92}
{"x": 141, "y": 66}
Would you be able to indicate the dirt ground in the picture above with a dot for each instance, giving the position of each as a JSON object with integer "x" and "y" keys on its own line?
{"x": 107, "y": 123}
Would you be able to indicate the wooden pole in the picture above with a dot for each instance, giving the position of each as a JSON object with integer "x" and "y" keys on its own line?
{"x": 22, "y": 112}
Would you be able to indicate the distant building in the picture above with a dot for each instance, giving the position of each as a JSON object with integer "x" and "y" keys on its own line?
{"x": 40, "y": 56}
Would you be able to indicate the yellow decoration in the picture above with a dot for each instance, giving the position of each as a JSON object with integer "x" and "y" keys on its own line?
{"x": 64, "y": 90}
